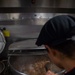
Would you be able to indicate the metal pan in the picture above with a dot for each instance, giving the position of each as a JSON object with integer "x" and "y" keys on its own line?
{"x": 30, "y": 65}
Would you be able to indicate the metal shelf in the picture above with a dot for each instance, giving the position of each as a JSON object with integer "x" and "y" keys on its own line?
{"x": 35, "y": 9}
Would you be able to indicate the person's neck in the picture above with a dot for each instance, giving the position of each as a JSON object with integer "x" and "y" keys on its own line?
{"x": 68, "y": 64}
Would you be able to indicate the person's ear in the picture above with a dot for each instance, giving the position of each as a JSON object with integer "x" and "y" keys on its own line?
{"x": 52, "y": 51}
{"x": 48, "y": 48}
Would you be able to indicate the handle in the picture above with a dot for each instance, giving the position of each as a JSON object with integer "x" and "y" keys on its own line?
{"x": 47, "y": 66}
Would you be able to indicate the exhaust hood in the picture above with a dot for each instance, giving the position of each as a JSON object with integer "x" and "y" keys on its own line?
{"x": 37, "y": 6}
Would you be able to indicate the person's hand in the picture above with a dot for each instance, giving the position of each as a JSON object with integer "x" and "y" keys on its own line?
{"x": 50, "y": 73}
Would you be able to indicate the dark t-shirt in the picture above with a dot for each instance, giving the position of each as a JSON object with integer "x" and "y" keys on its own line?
{"x": 72, "y": 72}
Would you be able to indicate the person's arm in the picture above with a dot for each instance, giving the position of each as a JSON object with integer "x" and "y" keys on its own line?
{"x": 50, "y": 73}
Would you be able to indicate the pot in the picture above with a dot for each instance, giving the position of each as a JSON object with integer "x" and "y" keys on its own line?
{"x": 30, "y": 65}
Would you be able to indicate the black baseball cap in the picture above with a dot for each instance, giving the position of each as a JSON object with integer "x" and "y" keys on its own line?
{"x": 57, "y": 30}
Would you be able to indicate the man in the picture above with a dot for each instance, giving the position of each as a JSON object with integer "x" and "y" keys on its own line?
{"x": 58, "y": 37}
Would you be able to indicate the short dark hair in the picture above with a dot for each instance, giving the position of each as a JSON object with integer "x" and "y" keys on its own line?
{"x": 67, "y": 48}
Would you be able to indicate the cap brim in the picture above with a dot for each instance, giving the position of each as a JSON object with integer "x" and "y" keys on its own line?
{"x": 43, "y": 37}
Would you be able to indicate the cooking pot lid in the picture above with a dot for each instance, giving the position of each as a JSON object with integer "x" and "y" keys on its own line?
{"x": 26, "y": 44}
{"x": 2, "y": 42}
